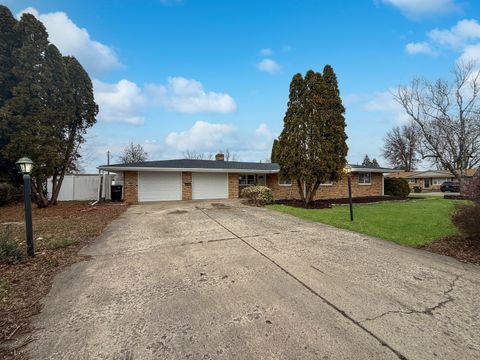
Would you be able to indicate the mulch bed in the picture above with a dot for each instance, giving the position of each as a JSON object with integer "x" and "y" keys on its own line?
{"x": 25, "y": 282}
{"x": 459, "y": 247}
{"x": 328, "y": 203}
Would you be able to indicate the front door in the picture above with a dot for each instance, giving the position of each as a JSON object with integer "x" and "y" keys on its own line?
{"x": 426, "y": 183}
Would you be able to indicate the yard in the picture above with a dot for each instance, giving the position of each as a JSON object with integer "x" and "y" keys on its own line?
{"x": 416, "y": 222}
{"x": 59, "y": 232}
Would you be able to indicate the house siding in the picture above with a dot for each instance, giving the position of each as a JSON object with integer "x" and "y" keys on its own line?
{"x": 335, "y": 191}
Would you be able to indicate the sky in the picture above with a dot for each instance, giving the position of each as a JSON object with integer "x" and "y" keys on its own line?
{"x": 206, "y": 75}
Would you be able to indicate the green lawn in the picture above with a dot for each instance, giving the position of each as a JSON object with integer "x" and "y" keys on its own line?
{"x": 414, "y": 222}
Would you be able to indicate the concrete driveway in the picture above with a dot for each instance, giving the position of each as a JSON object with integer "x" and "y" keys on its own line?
{"x": 203, "y": 280}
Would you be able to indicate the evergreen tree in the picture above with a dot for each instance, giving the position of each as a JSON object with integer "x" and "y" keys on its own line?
{"x": 49, "y": 107}
{"x": 273, "y": 156}
{"x": 366, "y": 161}
{"x": 312, "y": 146}
{"x": 375, "y": 163}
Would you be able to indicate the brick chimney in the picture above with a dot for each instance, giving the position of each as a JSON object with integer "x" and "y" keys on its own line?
{"x": 220, "y": 157}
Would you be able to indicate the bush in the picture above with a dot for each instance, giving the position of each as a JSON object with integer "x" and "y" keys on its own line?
{"x": 258, "y": 195}
{"x": 10, "y": 250}
{"x": 466, "y": 218}
{"x": 9, "y": 193}
{"x": 396, "y": 187}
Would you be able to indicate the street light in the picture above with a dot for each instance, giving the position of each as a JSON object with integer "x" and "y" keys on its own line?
{"x": 348, "y": 171}
{"x": 26, "y": 165}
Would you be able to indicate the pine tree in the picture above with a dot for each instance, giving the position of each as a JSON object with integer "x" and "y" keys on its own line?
{"x": 375, "y": 163}
{"x": 366, "y": 161}
{"x": 312, "y": 146}
{"x": 273, "y": 156}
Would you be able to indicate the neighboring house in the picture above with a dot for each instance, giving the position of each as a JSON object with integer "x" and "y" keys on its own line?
{"x": 188, "y": 179}
{"x": 429, "y": 179}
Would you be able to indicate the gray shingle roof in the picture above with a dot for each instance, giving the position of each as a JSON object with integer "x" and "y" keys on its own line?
{"x": 197, "y": 164}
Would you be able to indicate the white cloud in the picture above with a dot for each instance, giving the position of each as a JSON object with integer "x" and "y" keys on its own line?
{"x": 458, "y": 36}
{"x": 266, "y": 52}
{"x": 188, "y": 96}
{"x": 471, "y": 53}
{"x": 73, "y": 40}
{"x": 415, "y": 48}
{"x": 203, "y": 136}
{"x": 268, "y": 65}
{"x": 263, "y": 138}
{"x": 421, "y": 8}
{"x": 384, "y": 102}
{"x": 120, "y": 102}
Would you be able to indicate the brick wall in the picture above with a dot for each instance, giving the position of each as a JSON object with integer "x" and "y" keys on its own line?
{"x": 232, "y": 186}
{"x": 186, "y": 185}
{"x": 130, "y": 184}
{"x": 334, "y": 191}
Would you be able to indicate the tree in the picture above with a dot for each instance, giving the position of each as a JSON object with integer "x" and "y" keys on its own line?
{"x": 401, "y": 147}
{"x": 50, "y": 108}
{"x": 190, "y": 154}
{"x": 273, "y": 156}
{"x": 366, "y": 161}
{"x": 448, "y": 116}
{"x": 312, "y": 147}
{"x": 229, "y": 155}
{"x": 133, "y": 153}
{"x": 370, "y": 163}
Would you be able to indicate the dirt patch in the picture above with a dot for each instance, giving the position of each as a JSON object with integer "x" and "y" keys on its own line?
{"x": 328, "y": 203}
{"x": 459, "y": 247}
{"x": 59, "y": 233}
{"x": 221, "y": 206}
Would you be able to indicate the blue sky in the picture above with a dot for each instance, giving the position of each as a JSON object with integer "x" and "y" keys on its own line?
{"x": 204, "y": 75}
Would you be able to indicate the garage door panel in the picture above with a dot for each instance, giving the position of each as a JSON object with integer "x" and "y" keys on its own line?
{"x": 159, "y": 186}
{"x": 209, "y": 186}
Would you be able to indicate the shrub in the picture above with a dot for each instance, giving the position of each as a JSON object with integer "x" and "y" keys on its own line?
{"x": 258, "y": 195}
{"x": 466, "y": 218}
{"x": 8, "y": 193}
{"x": 396, "y": 187}
{"x": 10, "y": 250}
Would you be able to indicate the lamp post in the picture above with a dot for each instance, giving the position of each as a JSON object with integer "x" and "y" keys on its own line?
{"x": 26, "y": 165}
{"x": 348, "y": 170}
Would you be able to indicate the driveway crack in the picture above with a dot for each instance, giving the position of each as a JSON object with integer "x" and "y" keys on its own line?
{"x": 426, "y": 311}
{"x": 327, "y": 302}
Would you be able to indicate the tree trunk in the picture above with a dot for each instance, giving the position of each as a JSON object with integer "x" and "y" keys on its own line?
{"x": 300, "y": 190}
{"x": 39, "y": 196}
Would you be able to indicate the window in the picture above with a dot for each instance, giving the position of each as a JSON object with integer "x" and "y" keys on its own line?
{"x": 411, "y": 181}
{"x": 364, "y": 178}
{"x": 246, "y": 180}
{"x": 327, "y": 183}
{"x": 284, "y": 182}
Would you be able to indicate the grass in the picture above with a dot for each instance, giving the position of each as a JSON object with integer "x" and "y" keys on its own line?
{"x": 413, "y": 223}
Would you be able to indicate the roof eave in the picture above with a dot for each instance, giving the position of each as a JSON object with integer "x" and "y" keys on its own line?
{"x": 161, "y": 169}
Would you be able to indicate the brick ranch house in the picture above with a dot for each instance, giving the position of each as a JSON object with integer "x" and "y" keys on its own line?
{"x": 188, "y": 179}
{"x": 429, "y": 180}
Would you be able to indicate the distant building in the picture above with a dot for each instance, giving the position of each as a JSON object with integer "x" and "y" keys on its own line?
{"x": 429, "y": 180}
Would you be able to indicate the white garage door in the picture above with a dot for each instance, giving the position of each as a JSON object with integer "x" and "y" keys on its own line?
{"x": 159, "y": 186}
{"x": 209, "y": 186}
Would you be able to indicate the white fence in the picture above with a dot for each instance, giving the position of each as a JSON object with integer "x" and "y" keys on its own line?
{"x": 82, "y": 187}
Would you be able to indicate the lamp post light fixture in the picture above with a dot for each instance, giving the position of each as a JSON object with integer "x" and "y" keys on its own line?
{"x": 348, "y": 171}
{"x": 26, "y": 165}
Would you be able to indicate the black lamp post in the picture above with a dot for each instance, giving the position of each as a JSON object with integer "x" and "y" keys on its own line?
{"x": 26, "y": 165}
{"x": 348, "y": 170}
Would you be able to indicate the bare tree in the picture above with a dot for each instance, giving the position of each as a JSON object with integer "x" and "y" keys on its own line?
{"x": 229, "y": 155}
{"x": 195, "y": 155}
{"x": 448, "y": 116}
{"x": 402, "y": 147}
{"x": 133, "y": 153}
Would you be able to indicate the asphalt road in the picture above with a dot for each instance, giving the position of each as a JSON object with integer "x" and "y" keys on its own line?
{"x": 203, "y": 280}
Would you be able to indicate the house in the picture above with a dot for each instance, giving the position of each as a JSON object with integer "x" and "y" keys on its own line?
{"x": 429, "y": 180}
{"x": 188, "y": 179}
